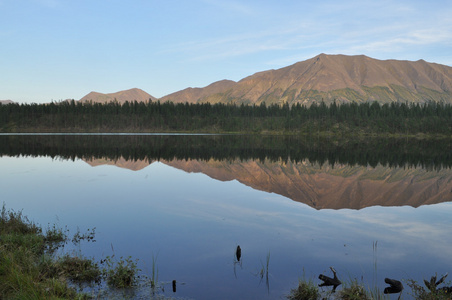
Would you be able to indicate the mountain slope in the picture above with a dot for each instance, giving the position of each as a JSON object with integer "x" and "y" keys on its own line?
{"x": 333, "y": 77}
{"x": 121, "y": 96}
{"x": 211, "y": 92}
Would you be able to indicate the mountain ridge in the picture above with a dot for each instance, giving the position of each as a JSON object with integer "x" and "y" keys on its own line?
{"x": 325, "y": 77}
{"x": 121, "y": 96}
{"x": 339, "y": 78}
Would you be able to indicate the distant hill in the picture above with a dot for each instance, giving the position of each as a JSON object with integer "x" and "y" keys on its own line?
{"x": 121, "y": 96}
{"x": 6, "y": 101}
{"x": 332, "y": 77}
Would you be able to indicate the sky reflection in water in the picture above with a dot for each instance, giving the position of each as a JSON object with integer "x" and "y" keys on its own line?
{"x": 193, "y": 224}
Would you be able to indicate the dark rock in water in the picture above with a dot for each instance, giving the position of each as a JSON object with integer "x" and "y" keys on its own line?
{"x": 238, "y": 253}
{"x": 395, "y": 286}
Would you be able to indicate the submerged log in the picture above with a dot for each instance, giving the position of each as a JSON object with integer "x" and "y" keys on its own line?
{"x": 328, "y": 281}
{"x": 395, "y": 286}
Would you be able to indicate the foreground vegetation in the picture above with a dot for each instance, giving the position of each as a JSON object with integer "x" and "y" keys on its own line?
{"x": 431, "y": 118}
{"x": 353, "y": 290}
{"x": 30, "y": 268}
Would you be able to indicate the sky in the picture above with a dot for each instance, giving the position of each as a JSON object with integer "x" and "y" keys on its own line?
{"x": 52, "y": 50}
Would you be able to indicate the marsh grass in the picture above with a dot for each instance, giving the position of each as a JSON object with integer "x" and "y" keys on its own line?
{"x": 29, "y": 268}
{"x": 122, "y": 273}
{"x": 55, "y": 238}
{"x": 79, "y": 269}
{"x": 418, "y": 292}
{"x": 352, "y": 290}
{"x": 155, "y": 272}
{"x": 306, "y": 290}
{"x": 14, "y": 222}
{"x": 264, "y": 269}
{"x": 263, "y": 272}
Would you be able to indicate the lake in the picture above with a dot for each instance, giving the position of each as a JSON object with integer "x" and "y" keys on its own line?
{"x": 370, "y": 208}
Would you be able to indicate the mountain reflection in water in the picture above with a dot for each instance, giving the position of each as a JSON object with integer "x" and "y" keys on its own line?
{"x": 322, "y": 173}
{"x": 195, "y": 223}
{"x": 322, "y": 186}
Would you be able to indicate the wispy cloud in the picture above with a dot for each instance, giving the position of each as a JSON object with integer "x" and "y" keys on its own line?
{"x": 403, "y": 41}
{"x": 389, "y": 29}
{"x": 282, "y": 38}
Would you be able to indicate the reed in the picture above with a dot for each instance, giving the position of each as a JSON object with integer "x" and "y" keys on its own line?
{"x": 263, "y": 272}
{"x": 155, "y": 272}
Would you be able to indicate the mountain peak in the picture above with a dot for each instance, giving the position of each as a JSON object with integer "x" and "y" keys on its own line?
{"x": 121, "y": 96}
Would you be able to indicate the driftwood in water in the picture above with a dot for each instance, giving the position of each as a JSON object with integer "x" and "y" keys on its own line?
{"x": 328, "y": 281}
{"x": 395, "y": 286}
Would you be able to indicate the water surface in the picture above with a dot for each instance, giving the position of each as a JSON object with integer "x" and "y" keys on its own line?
{"x": 189, "y": 201}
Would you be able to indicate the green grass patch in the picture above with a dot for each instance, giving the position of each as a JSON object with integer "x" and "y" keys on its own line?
{"x": 29, "y": 268}
{"x": 122, "y": 273}
{"x": 306, "y": 290}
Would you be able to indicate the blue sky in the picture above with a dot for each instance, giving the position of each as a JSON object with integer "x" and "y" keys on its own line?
{"x": 59, "y": 49}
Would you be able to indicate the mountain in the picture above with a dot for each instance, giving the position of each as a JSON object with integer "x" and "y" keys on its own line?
{"x": 6, "y": 101}
{"x": 121, "y": 96}
{"x": 332, "y": 77}
{"x": 214, "y": 93}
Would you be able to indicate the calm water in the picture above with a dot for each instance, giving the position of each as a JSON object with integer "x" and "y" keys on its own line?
{"x": 190, "y": 208}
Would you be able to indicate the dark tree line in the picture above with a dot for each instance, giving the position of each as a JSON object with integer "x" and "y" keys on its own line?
{"x": 73, "y": 116}
{"x": 432, "y": 154}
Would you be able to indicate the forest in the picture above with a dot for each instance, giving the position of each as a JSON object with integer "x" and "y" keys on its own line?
{"x": 431, "y": 118}
{"x": 432, "y": 154}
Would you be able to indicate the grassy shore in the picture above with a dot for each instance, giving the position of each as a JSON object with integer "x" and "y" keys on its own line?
{"x": 31, "y": 269}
